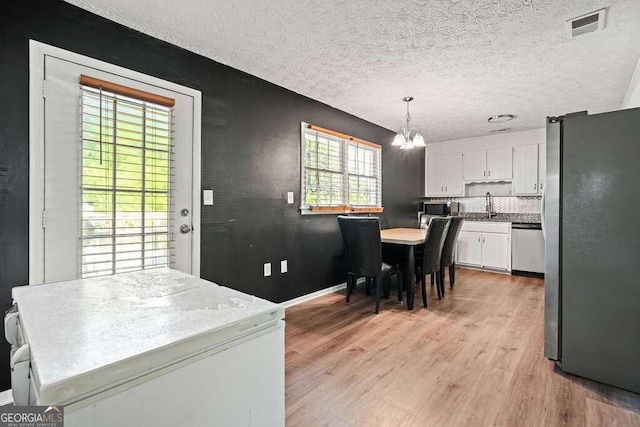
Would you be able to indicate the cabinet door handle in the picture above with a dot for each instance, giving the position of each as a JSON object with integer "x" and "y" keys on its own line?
{"x": 446, "y": 189}
{"x": 535, "y": 186}
{"x": 540, "y": 186}
{"x": 442, "y": 189}
{"x": 478, "y": 239}
{"x": 483, "y": 240}
{"x": 489, "y": 173}
{"x": 484, "y": 173}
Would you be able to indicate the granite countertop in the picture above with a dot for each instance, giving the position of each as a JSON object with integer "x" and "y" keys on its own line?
{"x": 526, "y": 218}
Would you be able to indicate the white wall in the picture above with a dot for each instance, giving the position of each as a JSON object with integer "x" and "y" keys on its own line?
{"x": 632, "y": 97}
{"x": 509, "y": 139}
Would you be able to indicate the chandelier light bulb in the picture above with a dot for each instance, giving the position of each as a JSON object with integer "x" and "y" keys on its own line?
{"x": 399, "y": 140}
{"x": 418, "y": 140}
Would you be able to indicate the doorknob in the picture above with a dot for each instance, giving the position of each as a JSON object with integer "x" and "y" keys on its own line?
{"x": 185, "y": 229}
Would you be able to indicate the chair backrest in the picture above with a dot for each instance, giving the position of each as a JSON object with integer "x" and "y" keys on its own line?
{"x": 363, "y": 247}
{"x": 436, "y": 234}
{"x": 449, "y": 247}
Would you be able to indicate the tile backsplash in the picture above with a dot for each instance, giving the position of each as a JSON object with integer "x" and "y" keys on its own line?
{"x": 501, "y": 204}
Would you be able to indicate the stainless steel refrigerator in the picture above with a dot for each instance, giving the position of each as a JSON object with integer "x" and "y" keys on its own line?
{"x": 591, "y": 221}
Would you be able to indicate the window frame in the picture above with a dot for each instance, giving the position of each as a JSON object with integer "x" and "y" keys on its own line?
{"x": 345, "y": 141}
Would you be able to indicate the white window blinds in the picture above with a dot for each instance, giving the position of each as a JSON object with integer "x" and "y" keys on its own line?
{"x": 126, "y": 183}
{"x": 340, "y": 173}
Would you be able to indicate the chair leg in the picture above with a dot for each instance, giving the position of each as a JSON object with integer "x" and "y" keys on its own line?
{"x": 367, "y": 289}
{"x": 386, "y": 286}
{"x": 441, "y": 281}
{"x": 423, "y": 288}
{"x": 432, "y": 278}
{"x": 377, "y": 282}
{"x": 437, "y": 274}
{"x": 452, "y": 275}
{"x": 400, "y": 285}
{"x": 348, "y": 287}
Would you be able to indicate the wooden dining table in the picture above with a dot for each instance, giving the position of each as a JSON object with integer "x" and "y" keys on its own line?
{"x": 409, "y": 238}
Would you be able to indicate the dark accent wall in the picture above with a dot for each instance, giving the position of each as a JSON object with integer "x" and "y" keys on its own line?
{"x": 250, "y": 156}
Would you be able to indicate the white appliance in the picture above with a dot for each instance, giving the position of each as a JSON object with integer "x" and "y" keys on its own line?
{"x": 154, "y": 347}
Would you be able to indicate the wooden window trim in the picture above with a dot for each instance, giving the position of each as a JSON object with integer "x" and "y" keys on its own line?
{"x": 344, "y": 136}
{"x": 346, "y": 209}
{"x": 126, "y": 91}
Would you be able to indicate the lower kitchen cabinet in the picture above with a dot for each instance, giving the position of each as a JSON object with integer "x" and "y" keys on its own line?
{"x": 485, "y": 245}
{"x": 469, "y": 250}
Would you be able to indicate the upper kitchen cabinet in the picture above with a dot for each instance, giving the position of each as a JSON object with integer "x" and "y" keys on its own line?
{"x": 529, "y": 169}
{"x": 499, "y": 164}
{"x": 525, "y": 169}
{"x": 474, "y": 165}
{"x": 487, "y": 165}
{"x": 444, "y": 175}
{"x": 542, "y": 167}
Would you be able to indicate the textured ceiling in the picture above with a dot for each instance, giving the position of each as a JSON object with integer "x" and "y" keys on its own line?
{"x": 462, "y": 60}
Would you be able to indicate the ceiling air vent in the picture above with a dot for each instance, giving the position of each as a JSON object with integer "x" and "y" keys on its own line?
{"x": 588, "y": 23}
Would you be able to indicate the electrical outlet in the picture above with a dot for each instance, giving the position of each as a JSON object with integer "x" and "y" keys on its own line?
{"x": 267, "y": 269}
{"x": 290, "y": 197}
{"x": 283, "y": 266}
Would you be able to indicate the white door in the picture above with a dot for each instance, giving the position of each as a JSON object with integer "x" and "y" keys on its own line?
{"x": 117, "y": 186}
{"x": 469, "y": 248}
{"x": 474, "y": 165}
{"x": 435, "y": 173}
{"x": 542, "y": 167}
{"x": 499, "y": 163}
{"x": 453, "y": 173}
{"x": 525, "y": 169}
{"x": 495, "y": 250}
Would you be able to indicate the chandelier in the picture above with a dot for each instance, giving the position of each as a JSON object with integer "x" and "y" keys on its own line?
{"x": 404, "y": 138}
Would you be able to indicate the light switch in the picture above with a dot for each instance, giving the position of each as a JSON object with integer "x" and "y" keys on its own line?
{"x": 207, "y": 197}
{"x": 267, "y": 269}
{"x": 283, "y": 266}
{"x": 290, "y": 197}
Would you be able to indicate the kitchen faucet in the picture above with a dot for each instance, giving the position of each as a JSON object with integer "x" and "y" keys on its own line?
{"x": 489, "y": 207}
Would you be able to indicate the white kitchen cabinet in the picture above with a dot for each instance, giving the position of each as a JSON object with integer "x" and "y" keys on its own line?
{"x": 474, "y": 165}
{"x": 542, "y": 167}
{"x": 499, "y": 164}
{"x": 525, "y": 169}
{"x": 495, "y": 250}
{"x": 469, "y": 248}
{"x": 485, "y": 244}
{"x": 529, "y": 169}
{"x": 487, "y": 165}
{"x": 435, "y": 175}
{"x": 444, "y": 175}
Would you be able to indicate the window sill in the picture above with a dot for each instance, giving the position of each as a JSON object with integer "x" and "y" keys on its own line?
{"x": 339, "y": 210}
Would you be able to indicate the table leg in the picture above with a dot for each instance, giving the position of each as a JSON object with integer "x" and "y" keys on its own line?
{"x": 408, "y": 277}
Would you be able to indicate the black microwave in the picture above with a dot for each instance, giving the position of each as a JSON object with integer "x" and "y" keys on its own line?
{"x": 439, "y": 208}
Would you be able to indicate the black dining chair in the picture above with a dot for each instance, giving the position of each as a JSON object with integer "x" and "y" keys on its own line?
{"x": 432, "y": 253}
{"x": 363, "y": 247}
{"x": 448, "y": 252}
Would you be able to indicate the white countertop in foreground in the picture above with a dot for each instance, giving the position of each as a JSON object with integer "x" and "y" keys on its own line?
{"x": 87, "y": 333}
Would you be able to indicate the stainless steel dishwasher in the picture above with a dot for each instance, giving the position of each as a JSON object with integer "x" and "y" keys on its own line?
{"x": 527, "y": 250}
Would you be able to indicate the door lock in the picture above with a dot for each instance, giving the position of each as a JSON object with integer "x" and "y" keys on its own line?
{"x": 184, "y": 212}
{"x": 185, "y": 229}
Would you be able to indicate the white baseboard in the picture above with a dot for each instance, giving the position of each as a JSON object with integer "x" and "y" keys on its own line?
{"x": 313, "y": 295}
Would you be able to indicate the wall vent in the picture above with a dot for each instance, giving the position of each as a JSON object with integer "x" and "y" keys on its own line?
{"x": 588, "y": 23}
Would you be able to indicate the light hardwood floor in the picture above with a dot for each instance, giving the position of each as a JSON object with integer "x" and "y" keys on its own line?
{"x": 473, "y": 358}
